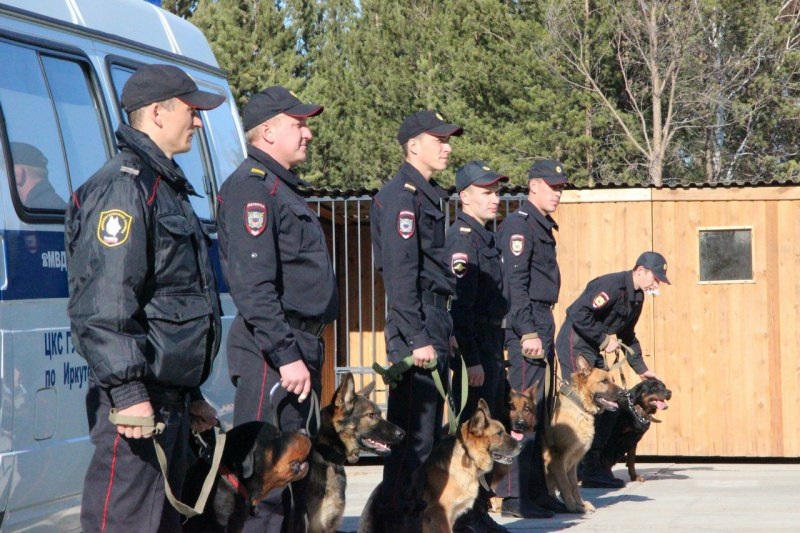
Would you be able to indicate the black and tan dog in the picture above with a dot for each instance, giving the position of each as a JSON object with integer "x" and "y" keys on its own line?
{"x": 454, "y": 467}
{"x": 570, "y": 435}
{"x": 637, "y": 408}
{"x": 257, "y": 459}
{"x": 519, "y": 418}
{"x": 452, "y": 472}
{"x": 351, "y": 424}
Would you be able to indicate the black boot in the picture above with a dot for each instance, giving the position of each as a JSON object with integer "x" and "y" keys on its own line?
{"x": 596, "y": 476}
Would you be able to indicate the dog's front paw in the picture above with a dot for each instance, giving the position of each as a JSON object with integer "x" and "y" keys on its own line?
{"x": 637, "y": 478}
{"x": 588, "y": 507}
{"x": 576, "y": 508}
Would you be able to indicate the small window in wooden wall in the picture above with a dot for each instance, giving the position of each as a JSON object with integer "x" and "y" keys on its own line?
{"x": 726, "y": 255}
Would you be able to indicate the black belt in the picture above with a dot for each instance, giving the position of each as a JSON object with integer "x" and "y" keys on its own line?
{"x": 309, "y": 325}
{"x": 491, "y": 320}
{"x": 551, "y": 305}
{"x": 437, "y": 300}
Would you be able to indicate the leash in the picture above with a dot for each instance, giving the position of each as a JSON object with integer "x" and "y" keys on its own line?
{"x": 394, "y": 374}
{"x": 620, "y": 362}
{"x": 152, "y": 429}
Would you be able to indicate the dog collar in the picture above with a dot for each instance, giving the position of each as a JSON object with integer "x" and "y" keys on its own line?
{"x": 234, "y": 482}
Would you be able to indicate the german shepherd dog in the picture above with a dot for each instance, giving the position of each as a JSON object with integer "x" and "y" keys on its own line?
{"x": 637, "y": 409}
{"x": 572, "y": 430}
{"x": 454, "y": 466}
{"x": 519, "y": 418}
{"x": 257, "y": 459}
{"x": 350, "y": 424}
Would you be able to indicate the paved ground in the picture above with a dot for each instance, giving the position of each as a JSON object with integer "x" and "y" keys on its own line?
{"x": 675, "y": 497}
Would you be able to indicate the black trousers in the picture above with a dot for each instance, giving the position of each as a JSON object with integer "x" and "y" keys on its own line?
{"x": 417, "y": 407}
{"x": 490, "y": 343}
{"x": 526, "y": 477}
{"x": 124, "y": 488}
{"x": 254, "y": 376}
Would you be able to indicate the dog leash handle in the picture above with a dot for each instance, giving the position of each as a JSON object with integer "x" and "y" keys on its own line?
{"x": 152, "y": 429}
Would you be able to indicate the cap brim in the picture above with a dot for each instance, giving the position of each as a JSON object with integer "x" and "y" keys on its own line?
{"x": 202, "y": 100}
{"x": 445, "y": 130}
{"x": 552, "y": 181}
{"x": 661, "y": 277}
{"x": 489, "y": 179}
{"x": 304, "y": 110}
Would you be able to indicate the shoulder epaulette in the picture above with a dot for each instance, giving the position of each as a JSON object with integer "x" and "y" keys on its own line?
{"x": 257, "y": 171}
{"x": 129, "y": 170}
{"x": 465, "y": 229}
{"x": 523, "y": 214}
{"x": 410, "y": 187}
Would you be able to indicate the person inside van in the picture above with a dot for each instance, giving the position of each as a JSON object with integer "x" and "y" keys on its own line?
{"x": 30, "y": 173}
{"x": 143, "y": 305}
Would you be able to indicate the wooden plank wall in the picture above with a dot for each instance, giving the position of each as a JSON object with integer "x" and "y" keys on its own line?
{"x": 728, "y": 351}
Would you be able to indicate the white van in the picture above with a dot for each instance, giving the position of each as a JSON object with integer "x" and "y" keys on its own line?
{"x": 62, "y": 67}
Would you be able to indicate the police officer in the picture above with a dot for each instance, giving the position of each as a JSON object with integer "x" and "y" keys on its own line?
{"x": 478, "y": 309}
{"x": 531, "y": 272}
{"x": 30, "y": 176}
{"x": 604, "y": 314}
{"x": 408, "y": 240}
{"x": 281, "y": 279}
{"x": 143, "y": 303}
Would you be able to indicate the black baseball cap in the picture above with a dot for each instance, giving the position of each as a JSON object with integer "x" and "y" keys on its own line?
{"x": 427, "y": 121}
{"x": 654, "y": 262}
{"x": 550, "y": 170}
{"x": 27, "y": 154}
{"x": 477, "y": 173}
{"x": 274, "y": 101}
{"x": 156, "y": 83}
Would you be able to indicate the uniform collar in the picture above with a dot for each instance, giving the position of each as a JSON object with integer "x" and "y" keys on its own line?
{"x": 476, "y": 226}
{"x": 545, "y": 220}
{"x": 143, "y": 146}
{"x": 630, "y": 290}
{"x": 284, "y": 174}
{"x": 430, "y": 188}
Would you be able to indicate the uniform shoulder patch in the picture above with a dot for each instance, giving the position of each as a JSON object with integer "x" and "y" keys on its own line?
{"x": 516, "y": 244}
{"x": 459, "y": 263}
{"x": 114, "y": 227}
{"x": 406, "y": 224}
{"x": 255, "y": 218}
{"x": 600, "y": 300}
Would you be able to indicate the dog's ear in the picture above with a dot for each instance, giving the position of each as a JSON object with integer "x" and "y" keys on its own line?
{"x": 531, "y": 393}
{"x": 367, "y": 390}
{"x": 345, "y": 397}
{"x": 249, "y": 463}
{"x": 582, "y": 365}
{"x": 480, "y": 419}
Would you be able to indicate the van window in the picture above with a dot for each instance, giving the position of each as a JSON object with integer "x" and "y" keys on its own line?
{"x": 53, "y": 124}
{"x": 193, "y": 163}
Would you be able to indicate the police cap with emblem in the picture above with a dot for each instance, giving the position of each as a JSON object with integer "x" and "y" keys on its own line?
{"x": 156, "y": 83}
{"x": 654, "y": 262}
{"x": 429, "y": 122}
{"x": 477, "y": 173}
{"x": 274, "y": 101}
{"x": 549, "y": 170}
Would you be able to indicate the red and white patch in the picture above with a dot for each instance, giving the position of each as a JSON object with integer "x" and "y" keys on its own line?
{"x": 600, "y": 300}
{"x": 517, "y": 244}
{"x": 406, "y": 224}
{"x": 255, "y": 218}
{"x": 458, "y": 264}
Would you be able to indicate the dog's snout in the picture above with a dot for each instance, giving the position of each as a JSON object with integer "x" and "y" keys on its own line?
{"x": 399, "y": 433}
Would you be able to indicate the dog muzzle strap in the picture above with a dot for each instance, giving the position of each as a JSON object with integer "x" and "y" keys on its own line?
{"x": 151, "y": 429}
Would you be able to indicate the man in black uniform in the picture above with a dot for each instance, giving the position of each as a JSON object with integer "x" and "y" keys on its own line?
{"x": 478, "y": 309}
{"x": 281, "y": 279}
{"x": 143, "y": 304}
{"x": 531, "y": 273}
{"x": 604, "y": 314}
{"x": 30, "y": 175}
{"x": 408, "y": 241}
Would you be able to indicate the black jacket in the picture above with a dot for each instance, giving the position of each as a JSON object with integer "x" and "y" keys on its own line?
{"x": 609, "y": 305}
{"x": 530, "y": 266}
{"x": 480, "y": 300}
{"x": 143, "y": 300}
{"x": 408, "y": 234}
{"x": 274, "y": 253}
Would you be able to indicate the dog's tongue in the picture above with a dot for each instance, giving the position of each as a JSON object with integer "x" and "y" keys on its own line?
{"x": 516, "y": 435}
{"x": 661, "y": 404}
